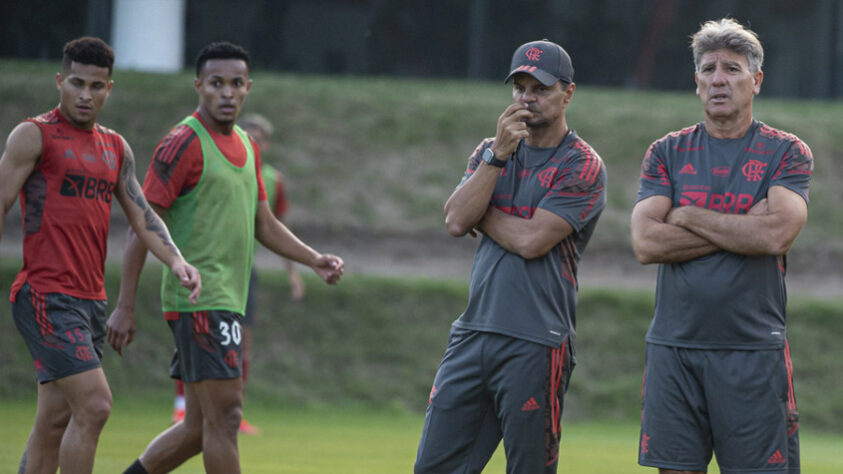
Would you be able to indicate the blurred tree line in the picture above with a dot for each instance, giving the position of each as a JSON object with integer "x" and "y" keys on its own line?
{"x": 622, "y": 43}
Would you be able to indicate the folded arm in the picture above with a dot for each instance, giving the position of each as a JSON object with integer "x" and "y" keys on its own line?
{"x": 654, "y": 240}
{"x": 769, "y": 228}
{"x": 664, "y": 234}
{"x": 469, "y": 202}
{"x": 529, "y": 238}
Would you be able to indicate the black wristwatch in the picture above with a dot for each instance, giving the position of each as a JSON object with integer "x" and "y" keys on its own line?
{"x": 489, "y": 158}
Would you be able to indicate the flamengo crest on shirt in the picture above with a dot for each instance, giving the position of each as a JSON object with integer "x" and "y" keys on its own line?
{"x": 753, "y": 170}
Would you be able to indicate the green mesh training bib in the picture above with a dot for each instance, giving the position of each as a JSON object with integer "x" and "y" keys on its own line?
{"x": 214, "y": 227}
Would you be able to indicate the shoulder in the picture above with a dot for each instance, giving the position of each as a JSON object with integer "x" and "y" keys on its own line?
{"x": 771, "y": 133}
{"x": 110, "y": 135}
{"x": 175, "y": 143}
{"x": 103, "y": 130}
{"x": 777, "y": 135}
{"x": 678, "y": 136}
{"x": 474, "y": 157}
{"x": 179, "y": 132}
{"x": 587, "y": 166}
{"x": 47, "y": 118}
{"x": 581, "y": 148}
{"x": 682, "y": 140}
{"x": 485, "y": 143}
{"x": 25, "y": 137}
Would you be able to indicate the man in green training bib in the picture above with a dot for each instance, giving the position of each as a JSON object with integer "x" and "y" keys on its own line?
{"x": 205, "y": 182}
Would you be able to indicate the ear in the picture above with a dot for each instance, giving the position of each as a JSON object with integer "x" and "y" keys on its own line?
{"x": 569, "y": 93}
{"x": 197, "y": 83}
{"x": 248, "y": 85}
{"x": 697, "y": 82}
{"x": 758, "y": 78}
{"x": 109, "y": 86}
{"x": 58, "y": 81}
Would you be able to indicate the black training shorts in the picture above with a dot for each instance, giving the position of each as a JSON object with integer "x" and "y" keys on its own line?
{"x": 207, "y": 345}
{"x": 64, "y": 334}
{"x": 738, "y": 404}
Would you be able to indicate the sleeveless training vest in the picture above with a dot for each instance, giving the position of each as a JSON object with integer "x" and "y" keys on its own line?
{"x": 214, "y": 226}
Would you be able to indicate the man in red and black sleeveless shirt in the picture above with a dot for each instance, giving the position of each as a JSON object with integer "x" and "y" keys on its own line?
{"x": 67, "y": 168}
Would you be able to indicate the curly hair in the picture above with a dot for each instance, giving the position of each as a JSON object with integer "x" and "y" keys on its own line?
{"x": 221, "y": 50}
{"x": 88, "y": 50}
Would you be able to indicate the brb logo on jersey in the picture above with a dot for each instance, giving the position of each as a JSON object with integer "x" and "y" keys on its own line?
{"x": 728, "y": 203}
{"x": 76, "y": 185}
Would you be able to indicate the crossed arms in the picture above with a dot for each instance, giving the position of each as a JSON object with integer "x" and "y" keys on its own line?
{"x": 665, "y": 234}
{"x": 468, "y": 209}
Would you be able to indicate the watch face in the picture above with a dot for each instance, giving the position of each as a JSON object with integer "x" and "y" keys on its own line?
{"x": 489, "y": 158}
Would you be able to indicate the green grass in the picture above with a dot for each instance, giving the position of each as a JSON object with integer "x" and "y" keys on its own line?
{"x": 356, "y": 441}
{"x": 379, "y": 341}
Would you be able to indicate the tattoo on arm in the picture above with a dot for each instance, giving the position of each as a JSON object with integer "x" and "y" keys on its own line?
{"x": 152, "y": 221}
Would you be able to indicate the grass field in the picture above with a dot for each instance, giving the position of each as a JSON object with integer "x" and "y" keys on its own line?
{"x": 356, "y": 441}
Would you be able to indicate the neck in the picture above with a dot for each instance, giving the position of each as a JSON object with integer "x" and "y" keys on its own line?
{"x": 81, "y": 126}
{"x": 547, "y": 137}
{"x": 727, "y": 128}
{"x": 214, "y": 125}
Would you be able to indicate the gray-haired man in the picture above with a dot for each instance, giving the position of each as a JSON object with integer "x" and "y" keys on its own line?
{"x": 720, "y": 204}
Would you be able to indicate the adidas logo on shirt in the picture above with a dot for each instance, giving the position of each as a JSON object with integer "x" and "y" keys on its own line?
{"x": 688, "y": 169}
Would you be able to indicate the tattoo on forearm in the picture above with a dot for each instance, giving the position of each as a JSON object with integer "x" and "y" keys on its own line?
{"x": 152, "y": 221}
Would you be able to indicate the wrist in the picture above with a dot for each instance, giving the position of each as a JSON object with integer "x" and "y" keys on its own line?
{"x": 492, "y": 158}
{"x": 314, "y": 259}
{"x": 126, "y": 307}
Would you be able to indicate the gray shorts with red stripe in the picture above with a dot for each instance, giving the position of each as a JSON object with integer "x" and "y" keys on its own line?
{"x": 64, "y": 334}
{"x": 737, "y": 404}
{"x": 491, "y": 387}
{"x": 207, "y": 345}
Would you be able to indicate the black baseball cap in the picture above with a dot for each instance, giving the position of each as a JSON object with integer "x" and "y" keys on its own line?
{"x": 544, "y": 60}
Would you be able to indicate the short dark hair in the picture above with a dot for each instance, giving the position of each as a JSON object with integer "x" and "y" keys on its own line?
{"x": 221, "y": 50}
{"x": 88, "y": 50}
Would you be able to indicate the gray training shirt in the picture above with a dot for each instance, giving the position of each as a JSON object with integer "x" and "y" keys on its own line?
{"x": 536, "y": 299}
{"x": 723, "y": 300}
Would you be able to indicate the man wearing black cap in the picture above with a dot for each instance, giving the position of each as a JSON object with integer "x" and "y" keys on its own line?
{"x": 535, "y": 192}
